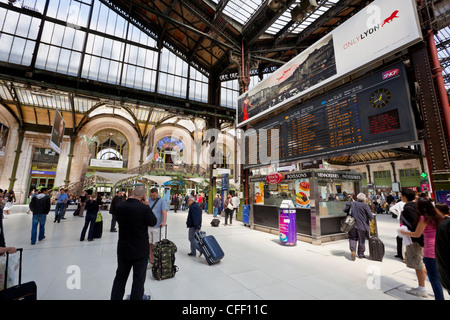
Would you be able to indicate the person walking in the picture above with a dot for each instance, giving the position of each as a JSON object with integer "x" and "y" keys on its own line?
{"x": 112, "y": 209}
{"x": 414, "y": 251}
{"x": 134, "y": 218}
{"x": 396, "y": 211}
{"x": 194, "y": 223}
{"x": 427, "y": 226}
{"x": 92, "y": 208}
{"x": 228, "y": 211}
{"x": 176, "y": 203}
{"x": 10, "y": 199}
{"x": 216, "y": 205}
{"x": 40, "y": 207}
{"x": 61, "y": 199}
{"x": 159, "y": 209}
{"x": 357, "y": 236}
{"x": 442, "y": 249}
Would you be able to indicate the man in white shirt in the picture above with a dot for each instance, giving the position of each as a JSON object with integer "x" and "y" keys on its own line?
{"x": 235, "y": 201}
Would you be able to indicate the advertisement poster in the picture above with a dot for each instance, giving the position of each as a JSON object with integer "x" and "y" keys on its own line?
{"x": 57, "y": 132}
{"x": 288, "y": 227}
{"x": 259, "y": 193}
{"x": 4, "y": 130}
{"x": 443, "y": 197}
{"x": 302, "y": 194}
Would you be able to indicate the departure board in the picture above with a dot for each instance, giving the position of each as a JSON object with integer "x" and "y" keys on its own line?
{"x": 373, "y": 113}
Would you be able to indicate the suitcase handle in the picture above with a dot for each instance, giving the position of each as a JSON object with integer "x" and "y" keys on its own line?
{"x": 6, "y": 268}
{"x": 160, "y": 231}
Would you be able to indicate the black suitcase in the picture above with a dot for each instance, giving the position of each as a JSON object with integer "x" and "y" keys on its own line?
{"x": 23, "y": 291}
{"x": 98, "y": 230}
{"x": 210, "y": 248}
{"x": 215, "y": 222}
{"x": 376, "y": 249}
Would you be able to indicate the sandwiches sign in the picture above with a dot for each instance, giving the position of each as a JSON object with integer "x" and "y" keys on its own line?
{"x": 376, "y": 32}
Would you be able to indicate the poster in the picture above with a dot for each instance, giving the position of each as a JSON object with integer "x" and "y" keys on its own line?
{"x": 259, "y": 193}
{"x": 57, "y": 132}
{"x": 302, "y": 194}
{"x": 443, "y": 197}
{"x": 4, "y": 130}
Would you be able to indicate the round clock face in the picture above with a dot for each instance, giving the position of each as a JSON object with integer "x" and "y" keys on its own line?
{"x": 380, "y": 98}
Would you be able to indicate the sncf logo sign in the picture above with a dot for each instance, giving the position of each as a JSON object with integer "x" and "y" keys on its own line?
{"x": 390, "y": 74}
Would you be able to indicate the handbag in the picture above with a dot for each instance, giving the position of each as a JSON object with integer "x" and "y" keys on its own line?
{"x": 348, "y": 223}
{"x": 230, "y": 206}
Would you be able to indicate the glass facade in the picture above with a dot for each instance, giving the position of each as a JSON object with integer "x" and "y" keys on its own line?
{"x": 88, "y": 40}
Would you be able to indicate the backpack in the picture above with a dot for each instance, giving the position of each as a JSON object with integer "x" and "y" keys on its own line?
{"x": 164, "y": 259}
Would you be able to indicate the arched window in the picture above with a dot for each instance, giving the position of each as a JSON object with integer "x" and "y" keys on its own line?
{"x": 110, "y": 145}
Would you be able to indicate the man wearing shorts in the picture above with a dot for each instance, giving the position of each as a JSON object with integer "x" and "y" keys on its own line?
{"x": 414, "y": 252}
{"x": 159, "y": 209}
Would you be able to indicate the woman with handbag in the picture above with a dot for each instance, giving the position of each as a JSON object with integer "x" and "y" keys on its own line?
{"x": 360, "y": 211}
{"x": 228, "y": 206}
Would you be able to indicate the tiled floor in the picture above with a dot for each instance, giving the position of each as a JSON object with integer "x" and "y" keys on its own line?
{"x": 255, "y": 265}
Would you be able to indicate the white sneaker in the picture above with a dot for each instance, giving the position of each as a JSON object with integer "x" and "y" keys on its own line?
{"x": 417, "y": 292}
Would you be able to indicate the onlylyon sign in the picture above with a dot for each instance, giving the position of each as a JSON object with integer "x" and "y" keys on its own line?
{"x": 379, "y": 30}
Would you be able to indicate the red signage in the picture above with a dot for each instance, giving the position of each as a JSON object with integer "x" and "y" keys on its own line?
{"x": 274, "y": 178}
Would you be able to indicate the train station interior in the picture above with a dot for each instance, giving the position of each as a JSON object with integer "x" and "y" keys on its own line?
{"x": 299, "y": 103}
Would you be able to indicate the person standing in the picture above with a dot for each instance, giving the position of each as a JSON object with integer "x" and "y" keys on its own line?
{"x": 414, "y": 251}
{"x": 61, "y": 199}
{"x": 92, "y": 208}
{"x": 2, "y": 204}
{"x": 357, "y": 236}
{"x": 428, "y": 223}
{"x": 112, "y": 209}
{"x": 442, "y": 249}
{"x": 228, "y": 211}
{"x": 159, "y": 209}
{"x": 236, "y": 202}
{"x": 40, "y": 207}
{"x": 83, "y": 199}
{"x": 194, "y": 223}
{"x": 134, "y": 218}
{"x": 176, "y": 203}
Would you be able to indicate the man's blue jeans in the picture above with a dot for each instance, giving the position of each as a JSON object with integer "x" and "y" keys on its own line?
{"x": 59, "y": 209}
{"x": 38, "y": 219}
{"x": 216, "y": 211}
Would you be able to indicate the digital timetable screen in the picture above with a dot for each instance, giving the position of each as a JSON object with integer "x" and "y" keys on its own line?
{"x": 372, "y": 113}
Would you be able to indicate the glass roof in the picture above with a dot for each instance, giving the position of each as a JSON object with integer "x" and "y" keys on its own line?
{"x": 242, "y": 11}
{"x": 442, "y": 42}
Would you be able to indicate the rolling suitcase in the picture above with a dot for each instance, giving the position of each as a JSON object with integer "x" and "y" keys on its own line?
{"x": 215, "y": 222}
{"x": 98, "y": 226}
{"x": 376, "y": 249}
{"x": 210, "y": 248}
{"x": 22, "y": 291}
{"x": 164, "y": 259}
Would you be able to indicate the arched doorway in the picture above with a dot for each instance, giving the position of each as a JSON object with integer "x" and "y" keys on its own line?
{"x": 169, "y": 150}
{"x": 109, "y": 150}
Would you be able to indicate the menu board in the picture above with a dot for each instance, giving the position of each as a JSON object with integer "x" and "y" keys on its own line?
{"x": 373, "y": 113}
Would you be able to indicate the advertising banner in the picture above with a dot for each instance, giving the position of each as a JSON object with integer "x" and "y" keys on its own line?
{"x": 379, "y": 30}
{"x": 57, "y": 132}
{"x": 4, "y": 130}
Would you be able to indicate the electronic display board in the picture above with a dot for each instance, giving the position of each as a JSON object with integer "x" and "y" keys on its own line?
{"x": 372, "y": 113}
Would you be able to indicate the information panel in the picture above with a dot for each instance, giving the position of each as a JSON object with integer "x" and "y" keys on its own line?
{"x": 373, "y": 113}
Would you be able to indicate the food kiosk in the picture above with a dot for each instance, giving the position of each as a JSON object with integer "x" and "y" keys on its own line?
{"x": 319, "y": 196}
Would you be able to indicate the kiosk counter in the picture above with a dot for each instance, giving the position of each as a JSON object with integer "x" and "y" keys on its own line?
{"x": 319, "y": 196}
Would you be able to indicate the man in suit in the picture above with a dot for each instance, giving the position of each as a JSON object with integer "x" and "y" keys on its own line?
{"x": 134, "y": 218}
{"x": 194, "y": 223}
